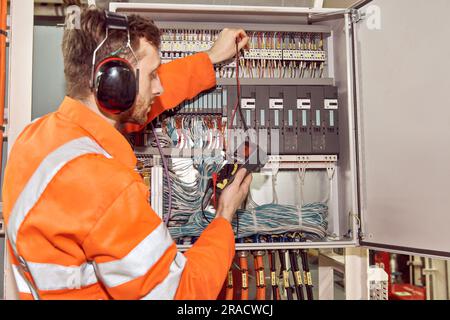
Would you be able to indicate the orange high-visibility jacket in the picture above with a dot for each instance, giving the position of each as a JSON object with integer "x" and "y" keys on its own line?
{"x": 77, "y": 214}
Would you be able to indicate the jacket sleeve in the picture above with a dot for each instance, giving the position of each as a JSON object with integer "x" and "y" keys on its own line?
{"x": 181, "y": 79}
{"x": 135, "y": 257}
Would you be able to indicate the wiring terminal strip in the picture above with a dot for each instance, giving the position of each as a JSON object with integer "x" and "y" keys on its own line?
{"x": 270, "y": 54}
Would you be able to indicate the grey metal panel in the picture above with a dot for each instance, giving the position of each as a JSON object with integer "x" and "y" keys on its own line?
{"x": 404, "y": 112}
{"x": 346, "y": 189}
{"x": 207, "y": 12}
{"x": 246, "y": 26}
{"x": 283, "y": 3}
{"x": 48, "y": 70}
{"x": 212, "y": 17}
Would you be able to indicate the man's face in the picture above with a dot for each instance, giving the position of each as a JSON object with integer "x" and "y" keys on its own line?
{"x": 149, "y": 85}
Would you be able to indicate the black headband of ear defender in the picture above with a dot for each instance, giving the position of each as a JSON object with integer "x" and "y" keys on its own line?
{"x": 114, "y": 82}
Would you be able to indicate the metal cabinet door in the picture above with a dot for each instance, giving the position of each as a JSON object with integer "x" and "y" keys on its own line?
{"x": 403, "y": 106}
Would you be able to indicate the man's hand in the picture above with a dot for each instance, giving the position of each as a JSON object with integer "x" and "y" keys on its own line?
{"x": 225, "y": 46}
{"x": 233, "y": 195}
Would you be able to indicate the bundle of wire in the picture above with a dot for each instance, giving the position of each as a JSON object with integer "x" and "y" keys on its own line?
{"x": 189, "y": 180}
{"x": 311, "y": 220}
{"x": 188, "y": 176}
{"x": 163, "y": 139}
{"x": 194, "y": 132}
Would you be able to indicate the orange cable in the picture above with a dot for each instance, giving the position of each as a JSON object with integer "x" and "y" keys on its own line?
{"x": 260, "y": 279}
{"x": 243, "y": 264}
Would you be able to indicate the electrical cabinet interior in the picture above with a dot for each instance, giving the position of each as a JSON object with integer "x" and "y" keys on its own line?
{"x": 306, "y": 99}
{"x": 291, "y": 107}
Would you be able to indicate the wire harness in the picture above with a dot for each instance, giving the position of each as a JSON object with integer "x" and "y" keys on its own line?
{"x": 269, "y": 219}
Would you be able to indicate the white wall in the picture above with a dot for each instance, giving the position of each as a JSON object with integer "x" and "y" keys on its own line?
{"x": 48, "y": 70}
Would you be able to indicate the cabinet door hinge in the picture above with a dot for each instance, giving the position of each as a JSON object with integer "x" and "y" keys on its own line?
{"x": 361, "y": 235}
{"x": 356, "y": 15}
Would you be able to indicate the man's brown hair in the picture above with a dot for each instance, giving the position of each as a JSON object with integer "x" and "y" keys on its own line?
{"x": 79, "y": 45}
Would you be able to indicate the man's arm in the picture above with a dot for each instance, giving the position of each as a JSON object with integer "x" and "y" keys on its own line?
{"x": 201, "y": 256}
{"x": 135, "y": 257}
{"x": 181, "y": 79}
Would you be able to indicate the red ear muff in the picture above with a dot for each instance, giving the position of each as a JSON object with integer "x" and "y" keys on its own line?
{"x": 115, "y": 85}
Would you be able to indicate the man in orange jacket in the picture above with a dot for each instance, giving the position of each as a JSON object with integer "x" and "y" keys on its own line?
{"x": 78, "y": 221}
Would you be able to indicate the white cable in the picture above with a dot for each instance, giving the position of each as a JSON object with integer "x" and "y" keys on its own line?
{"x": 300, "y": 218}
{"x": 330, "y": 172}
{"x": 302, "y": 176}
{"x": 274, "y": 190}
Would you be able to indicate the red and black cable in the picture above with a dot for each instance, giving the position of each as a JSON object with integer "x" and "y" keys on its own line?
{"x": 273, "y": 275}
{"x": 293, "y": 255}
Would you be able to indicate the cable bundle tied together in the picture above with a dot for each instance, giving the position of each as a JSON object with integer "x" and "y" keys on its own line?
{"x": 268, "y": 219}
{"x": 189, "y": 179}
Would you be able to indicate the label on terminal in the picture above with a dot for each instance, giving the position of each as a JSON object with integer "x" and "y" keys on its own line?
{"x": 331, "y": 104}
{"x": 304, "y": 104}
{"x": 230, "y": 278}
{"x": 244, "y": 281}
{"x": 276, "y": 104}
{"x": 298, "y": 277}
{"x": 273, "y": 278}
{"x": 262, "y": 282}
{"x": 286, "y": 279}
{"x": 248, "y": 103}
{"x": 309, "y": 279}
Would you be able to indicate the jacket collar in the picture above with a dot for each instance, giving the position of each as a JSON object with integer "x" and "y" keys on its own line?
{"x": 108, "y": 137}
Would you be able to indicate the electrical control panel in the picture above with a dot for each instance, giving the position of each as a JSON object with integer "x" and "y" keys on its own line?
{"x": 283, "y": 120}
{"x": 285, "y": 103}
{"x": 297, "y": 120}
{"x": 282, "y": 94}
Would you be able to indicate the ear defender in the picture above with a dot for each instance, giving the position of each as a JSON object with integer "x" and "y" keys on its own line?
{"x": 115, "y": 85}
{"x": 114, "y": 82}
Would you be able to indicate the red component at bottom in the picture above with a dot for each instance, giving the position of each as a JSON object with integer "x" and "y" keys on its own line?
{"x": 407, "y": 292}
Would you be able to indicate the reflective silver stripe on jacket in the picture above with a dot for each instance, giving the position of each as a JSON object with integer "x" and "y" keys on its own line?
{"x": 22, "y": 285}
{"x": 47, "y": 275}
{"x": 138, "y": 261}
{"x": 167, "y": 289}
{"x": 56, "y": 277}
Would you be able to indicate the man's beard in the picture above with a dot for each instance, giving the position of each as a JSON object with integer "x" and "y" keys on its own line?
{"x": 138, "y": 113}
